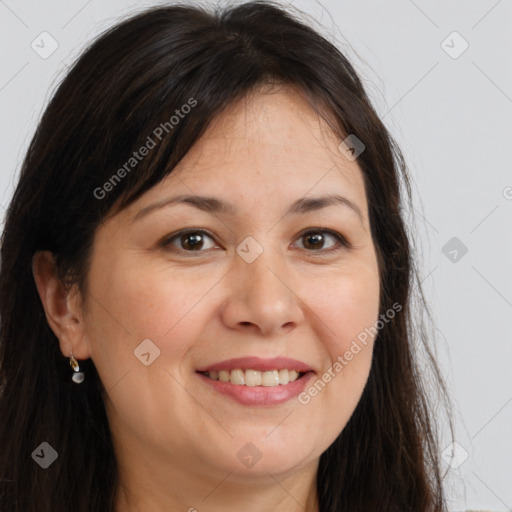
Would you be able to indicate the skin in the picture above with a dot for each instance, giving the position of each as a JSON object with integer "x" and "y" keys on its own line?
{"x": 176, "y": 439}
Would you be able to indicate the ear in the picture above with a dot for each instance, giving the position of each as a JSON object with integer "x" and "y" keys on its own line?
{"x": 62, "y": 307}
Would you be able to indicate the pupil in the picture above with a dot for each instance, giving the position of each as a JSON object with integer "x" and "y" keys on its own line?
{"x": 196, "y": 240}
{"x": 317, "y": 239}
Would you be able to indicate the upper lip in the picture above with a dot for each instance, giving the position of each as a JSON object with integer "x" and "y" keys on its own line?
{"x": 257, "y": 363}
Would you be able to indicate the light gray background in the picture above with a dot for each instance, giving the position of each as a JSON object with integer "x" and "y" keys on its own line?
{"x": 451, "y": 117}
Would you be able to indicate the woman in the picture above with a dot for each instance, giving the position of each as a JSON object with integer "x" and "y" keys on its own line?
{"x": 206, "y": 282}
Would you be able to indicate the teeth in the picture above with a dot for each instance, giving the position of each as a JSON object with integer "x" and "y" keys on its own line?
{"x": 254, "y": 377}
{"x": 270, "y": 378}
{"x": 284, "y": 377}
{"x": 237, "y": 377}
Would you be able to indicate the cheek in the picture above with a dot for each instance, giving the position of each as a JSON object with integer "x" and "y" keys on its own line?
{"x": 135, "y": 304}
{"x": 150, "y": 301}
{"x": 349, "y": 309}
{"x": 354, "y": 302}
{"x": 132, "y": 304}
{"x": 349, "y": 305}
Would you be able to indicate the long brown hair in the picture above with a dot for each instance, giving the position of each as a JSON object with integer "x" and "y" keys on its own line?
{"x": 125, "y": 84}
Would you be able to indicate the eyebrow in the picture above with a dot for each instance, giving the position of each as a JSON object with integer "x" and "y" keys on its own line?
{"x": 214, "y": 205}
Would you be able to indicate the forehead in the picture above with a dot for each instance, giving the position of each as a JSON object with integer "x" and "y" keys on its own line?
{"x": 262, "y": 154}
{"x": 274, "y": 136}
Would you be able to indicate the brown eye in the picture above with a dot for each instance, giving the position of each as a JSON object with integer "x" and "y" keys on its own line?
{"x": 190, "y": 240}
{"x": 316, "y": 240}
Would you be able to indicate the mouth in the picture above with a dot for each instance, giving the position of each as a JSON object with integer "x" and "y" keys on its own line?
{"x": 250, "y": 377}
{"x": 255, "y": 381}
{"x": 256, "y": 388}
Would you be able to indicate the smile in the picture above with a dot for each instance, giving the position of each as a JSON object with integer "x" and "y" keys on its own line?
{"x": 249, "y": 377}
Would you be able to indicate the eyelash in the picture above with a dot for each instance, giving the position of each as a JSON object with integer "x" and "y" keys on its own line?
{"x": 343, "y": 242}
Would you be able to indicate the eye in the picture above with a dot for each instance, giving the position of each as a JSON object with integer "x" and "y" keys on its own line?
{"x": 315, "y": 240}
{"x": 193, "y": 240}
{"x": 188, "y": 240}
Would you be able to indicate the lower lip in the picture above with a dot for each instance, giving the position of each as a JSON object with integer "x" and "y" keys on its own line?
{"x": 259, "y": 395}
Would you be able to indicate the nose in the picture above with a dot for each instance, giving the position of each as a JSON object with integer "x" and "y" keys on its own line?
{"x": 261, "y": 296}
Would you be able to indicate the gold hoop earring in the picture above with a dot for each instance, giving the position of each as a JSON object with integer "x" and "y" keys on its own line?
{"x": 78, "y": 376}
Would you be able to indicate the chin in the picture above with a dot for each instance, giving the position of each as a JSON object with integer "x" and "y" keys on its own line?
{"x": 252, "y": 459}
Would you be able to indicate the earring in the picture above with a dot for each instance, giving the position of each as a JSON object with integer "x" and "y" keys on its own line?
{"x": 78, "y": 376}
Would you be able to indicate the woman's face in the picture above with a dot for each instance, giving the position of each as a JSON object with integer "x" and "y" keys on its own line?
{"x": 246, "y": 282}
